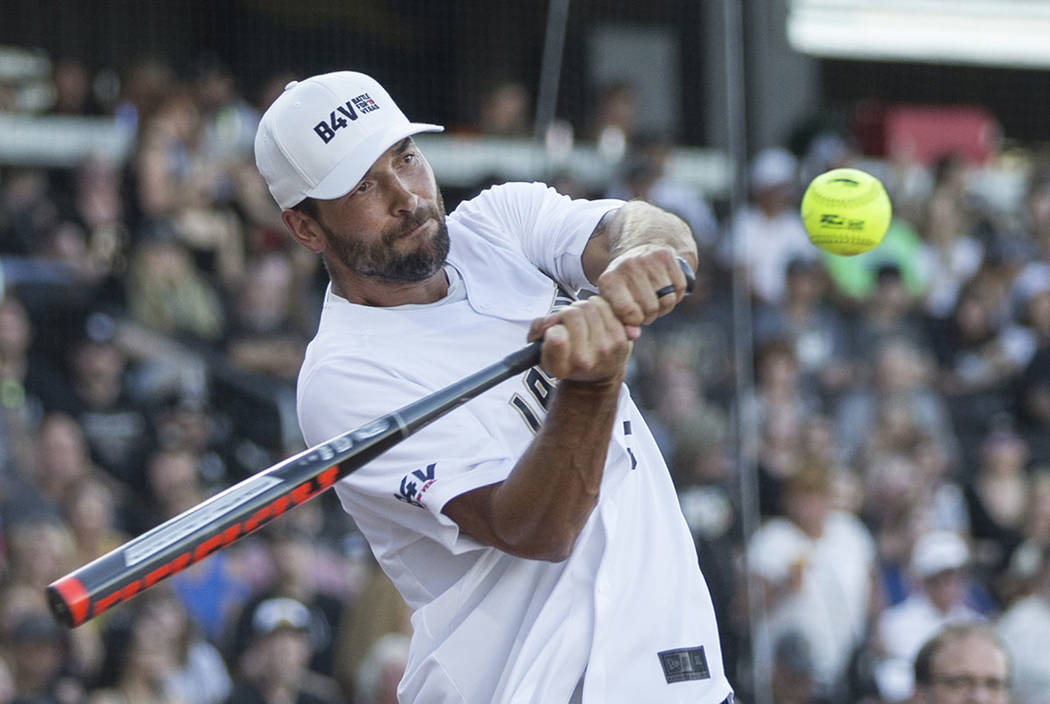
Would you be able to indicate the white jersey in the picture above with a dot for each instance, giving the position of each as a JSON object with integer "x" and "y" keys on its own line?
{"x": 628, "y": 611}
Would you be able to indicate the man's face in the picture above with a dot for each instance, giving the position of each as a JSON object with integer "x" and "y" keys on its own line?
{"x": 391, "y": 226}
{"x": 971, "y": 670}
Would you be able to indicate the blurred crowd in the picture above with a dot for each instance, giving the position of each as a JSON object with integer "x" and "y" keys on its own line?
{"x": 860, "y": 444}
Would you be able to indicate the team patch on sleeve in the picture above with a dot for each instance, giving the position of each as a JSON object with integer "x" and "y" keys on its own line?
{"x": 415, "y": 484}
{"x": 684, "y": 664}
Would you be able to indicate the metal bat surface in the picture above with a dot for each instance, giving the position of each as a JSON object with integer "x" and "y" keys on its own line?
{"x": 252, "y": 503}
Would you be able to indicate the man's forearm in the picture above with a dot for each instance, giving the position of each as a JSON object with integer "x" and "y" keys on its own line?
{"x": 637, "y": 224}
{"x": 545, "y": 502}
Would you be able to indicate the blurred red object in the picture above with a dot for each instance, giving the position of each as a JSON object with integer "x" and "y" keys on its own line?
{"x": 925, "y": 133}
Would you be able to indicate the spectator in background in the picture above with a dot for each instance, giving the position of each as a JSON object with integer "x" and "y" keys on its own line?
{"x": 778, "y": 408}
{"x": 40, "y": 657}
{"x": 39, "y": 552}
{"x": 902, "y": 375}
{"x": 295, "y": 556}
{"x": 168, "y": 293}
{"x": 614, "y": 124}
{"x": 89, "y": 508}
{"x": 27, "y": 382}
{"x": 1026, "y": 561}
{"x": 60, "y": 461}
{"x": 26, "y": 210}
{"x": 228, "y": 120}
{"x": 504, "y": 110}
{"x": 115, "y": 426}
{"x": 855, "y": 279}
{"x": 644, "y": 177}
{"x": 378, "y": 611}
{"x": 1035, "y": 214}
{"x": 99, "y": 207}
{"x": 961, "y": 664}
{"x": 792, "y": 680}
{"x": 997, "y": 500}
{"x": 938, "y": 562}
{"x": 889, "y": 312}
{"x": 381, "y": 670}
{"x": 140, "y": 662}
{"x": 71, "y": 82}
{"x": 1025, "y": 630}
{"x": 816, "y": 567}
{"x": 768, "y": 232}
{"x": 978, "y": 358}
{"x": 7, "y": 677}
{"x": 815, "y": 329}
{"x": 949, "y": 255}
{"x": 198, "y": 674}
{"x": 211, "y": 590}
{"x": 275, "y": 668}
{"x": 263, "y": 335}
{"x": 146, "y": 83}
{"x": 186, "y": 421}
{"x": 1033, "y": 404}
{"x": 890, "y": 508}
{"x": 188, "y": 189}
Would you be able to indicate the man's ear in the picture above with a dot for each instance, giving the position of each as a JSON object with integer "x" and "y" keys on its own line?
{"x": 304, "y": 229}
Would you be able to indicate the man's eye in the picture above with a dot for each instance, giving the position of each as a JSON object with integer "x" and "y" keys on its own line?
{"x": 409, "y": 158}
{"x": 362, "y": 188}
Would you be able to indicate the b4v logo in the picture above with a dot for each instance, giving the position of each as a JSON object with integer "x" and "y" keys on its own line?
{"x": 410, "y": 491}
{"x": 338, "y": 117}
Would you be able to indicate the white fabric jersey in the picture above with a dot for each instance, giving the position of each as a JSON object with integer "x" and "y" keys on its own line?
{"x": 629, "y": 610}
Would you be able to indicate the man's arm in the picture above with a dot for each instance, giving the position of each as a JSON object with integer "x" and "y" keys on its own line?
{"x": 538, "y": 511}
{"x": 540, "y": 508}
{"x": 632, "y": 254}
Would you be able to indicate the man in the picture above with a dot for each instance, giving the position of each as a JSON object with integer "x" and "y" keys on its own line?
{"x": 535, "y": 531}
{"x": 939, "y": 562}
{"x": 275, "y": 665}
{"x": 815, "y": 565}
{"x": 1025, "y": 629}
{"x": 963, "y": 664}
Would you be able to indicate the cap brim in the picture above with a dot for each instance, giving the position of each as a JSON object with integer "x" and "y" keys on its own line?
{"x": 346, "y": 174}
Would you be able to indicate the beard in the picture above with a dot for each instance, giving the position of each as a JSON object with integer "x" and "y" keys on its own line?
{"x": 383, "y": 260}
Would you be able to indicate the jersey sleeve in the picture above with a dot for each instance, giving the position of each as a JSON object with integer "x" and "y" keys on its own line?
{"x": 550, "y": 229}
{"x": 410, "y": 483}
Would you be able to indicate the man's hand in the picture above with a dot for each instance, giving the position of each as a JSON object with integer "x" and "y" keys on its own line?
{"x": 632, "y": 254}
{"x": 631, "y": 281}
{"x": 585, "y": 342}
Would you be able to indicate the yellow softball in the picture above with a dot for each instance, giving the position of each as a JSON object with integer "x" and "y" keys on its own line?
{"x": 846, "y": 211}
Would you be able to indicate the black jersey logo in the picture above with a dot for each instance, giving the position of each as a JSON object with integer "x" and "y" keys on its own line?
{"x": 539, "y": 386}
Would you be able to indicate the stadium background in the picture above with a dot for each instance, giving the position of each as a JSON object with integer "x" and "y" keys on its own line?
{"x": 722, "y": 87}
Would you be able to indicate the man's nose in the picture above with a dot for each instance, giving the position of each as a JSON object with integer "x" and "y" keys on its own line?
{"x": 403, "y": 198}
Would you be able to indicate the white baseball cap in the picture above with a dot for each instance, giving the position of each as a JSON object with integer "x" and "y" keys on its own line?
{"x": 939, "y": 551}
{"x": 323, "y": 134}
{"x": 280, "y": 612}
